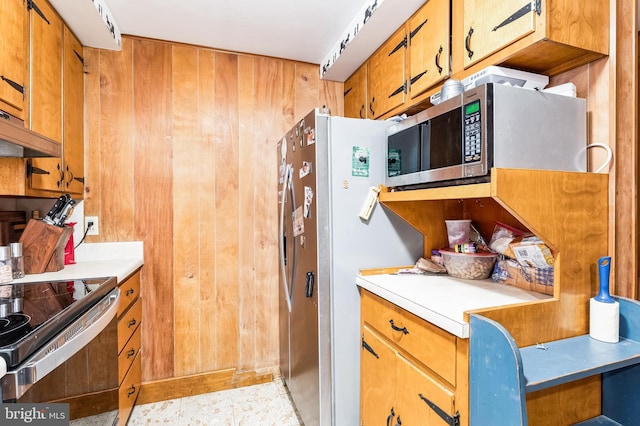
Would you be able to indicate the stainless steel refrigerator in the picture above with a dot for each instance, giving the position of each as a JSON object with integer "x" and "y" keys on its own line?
{"x": 327, "y": 166}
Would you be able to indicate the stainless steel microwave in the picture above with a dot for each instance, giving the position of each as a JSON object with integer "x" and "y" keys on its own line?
{"x": 459, "y": 140}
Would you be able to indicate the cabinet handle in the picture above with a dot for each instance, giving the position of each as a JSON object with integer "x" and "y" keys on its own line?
{"x": 373, "y": 114}
{"x": 131, "y": 353}
{"x": 129, "y": 292}
{"x": 132, "y": 323}
{"x": 61, "y": 180}
{"x": 362, "y": 111}
{"x": 438, "y": 60}
{"x": 32, "y": 5}
{"x": 390, "y": 417}
{"x": 132, "y": 390}
{"x": 467, "y": 42}
{"x": 396, "y": 328}
{"x": 398, "y": 422}
{"x": 13, "y": 84}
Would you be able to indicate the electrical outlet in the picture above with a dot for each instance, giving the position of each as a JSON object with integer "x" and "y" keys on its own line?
{"x": 94, "y": 229}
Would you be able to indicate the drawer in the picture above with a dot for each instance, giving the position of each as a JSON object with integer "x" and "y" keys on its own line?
{"x": 128, "y": 354}
{"x": 129, "y": 390}
{"x": 128, "y": 323}
{"x": 129, "y": 292}
{"x": 430, "y": 345}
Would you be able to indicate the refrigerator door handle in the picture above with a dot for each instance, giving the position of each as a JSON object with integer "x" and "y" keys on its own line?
{"x": 288, "y": 287}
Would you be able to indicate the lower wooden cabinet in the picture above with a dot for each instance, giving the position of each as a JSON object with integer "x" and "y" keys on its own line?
{"x": 129, "y": 338}
{"x": 408, "y": 368}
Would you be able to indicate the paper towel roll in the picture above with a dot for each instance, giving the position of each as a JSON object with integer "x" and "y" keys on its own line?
{"x": 604, "y": 321}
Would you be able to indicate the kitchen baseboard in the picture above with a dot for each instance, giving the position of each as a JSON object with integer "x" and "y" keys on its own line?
{"x": 179, "y": 387}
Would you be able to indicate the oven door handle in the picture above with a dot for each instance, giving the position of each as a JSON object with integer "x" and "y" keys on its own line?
{"x": 68, "y": 342}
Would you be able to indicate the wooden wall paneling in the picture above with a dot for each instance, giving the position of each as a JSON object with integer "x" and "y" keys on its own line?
{"x": 273, "y": 82}
{"x": 116, "y": 144}
{"x": 249, "y": 166}
{"x": 186, "y": 236}
{"x": 288, "y": 90}
{"x": 153, "y": 159}
{"x": 93, "y": 180}
{"x": 307, "y": 89}
{"x": 332, "y": 96}
{"x": 206, "y": 205}
{"x": 625, "y": 90}
{"x": 227, "y": 213}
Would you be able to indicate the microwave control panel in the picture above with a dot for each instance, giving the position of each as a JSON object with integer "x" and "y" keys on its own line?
{"x": 472, "y": 132}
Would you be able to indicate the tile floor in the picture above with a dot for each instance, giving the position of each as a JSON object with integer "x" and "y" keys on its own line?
{"x": 258, "y": 405}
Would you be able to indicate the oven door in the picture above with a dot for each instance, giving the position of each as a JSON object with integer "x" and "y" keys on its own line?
{"x": 59, "y": 349}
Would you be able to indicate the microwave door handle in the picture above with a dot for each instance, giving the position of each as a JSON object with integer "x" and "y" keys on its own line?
{"x": 43, "y": 362}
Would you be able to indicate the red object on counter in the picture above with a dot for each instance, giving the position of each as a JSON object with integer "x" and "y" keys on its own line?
{"x": 69, "y": 249}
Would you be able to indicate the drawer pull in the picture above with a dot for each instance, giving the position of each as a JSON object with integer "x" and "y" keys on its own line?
{"x": 451, "y": 421}
{"x": 130, "y": 292}
{"x": 132, "y": 323}
{"x": 131, "y": 353}
{"x": 403, "y": 329}
{"x": 390, "y": 417}
{"x": 132, "y": 390}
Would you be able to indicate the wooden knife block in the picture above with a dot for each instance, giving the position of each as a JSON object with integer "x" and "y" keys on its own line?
{"x": 43, "y": 246}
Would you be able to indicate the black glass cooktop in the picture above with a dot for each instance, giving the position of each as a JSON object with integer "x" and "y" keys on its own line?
{"x": 33, "y": 313}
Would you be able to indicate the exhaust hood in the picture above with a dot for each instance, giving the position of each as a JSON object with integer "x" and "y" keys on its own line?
{"x": 18, "y": 141}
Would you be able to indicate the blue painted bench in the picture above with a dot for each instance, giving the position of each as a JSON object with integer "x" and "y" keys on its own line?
{"x": 501, "y": 374}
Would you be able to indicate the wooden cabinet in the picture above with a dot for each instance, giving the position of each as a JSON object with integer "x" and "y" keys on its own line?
{"x": 429, "y": 50}
{"x": 545, "y": 36}
{"x": 408, "y": 368}
{"x": 568, "y": 211}
{"x": 14, "y": 64}
{"x": 386, "y": 87}
{"x": 129, "y": 337}
{"x": 461, "y": 37}
{"x": 355, "y": 94}
{"x": 45, "y": 95}
{"x": 66, "y": 174}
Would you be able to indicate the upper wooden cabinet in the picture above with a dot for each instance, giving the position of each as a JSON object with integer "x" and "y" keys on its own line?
{"x": 457, "y": 38}
{"x": 64, "y": 174}
{"x": 429, "y": 50}
{"x": 492, "y": 26}
{"x": 545, "y": 36}
{"x": 45, "y": 97}
{"x": 386, "y": 87}
{"x": 355, "y": 94}
{"x": 14, "y": 37}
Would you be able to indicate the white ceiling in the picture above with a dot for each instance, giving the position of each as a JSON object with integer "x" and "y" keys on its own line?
{"x": 302, "y": 30}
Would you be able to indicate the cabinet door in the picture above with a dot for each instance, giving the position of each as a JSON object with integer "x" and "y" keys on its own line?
{"x": 386, "y": 85}
{"x": 73, "y": 131}
{"x": 377, "y": 381}
{"x": 355, "y": 94}
{"x": 429, "y": 50}
{"x": 45, "y": 98}
{"x": 14, "y": 38}
{"x": 419, "y": 394}
{"x": 492, "y": 25}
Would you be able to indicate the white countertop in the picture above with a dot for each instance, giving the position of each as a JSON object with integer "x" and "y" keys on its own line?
{"x": 442, "y": 300}
{"x": 96, "y": 260}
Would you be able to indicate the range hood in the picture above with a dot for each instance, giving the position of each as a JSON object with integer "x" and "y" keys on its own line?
{"x": 18, "y": 141}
